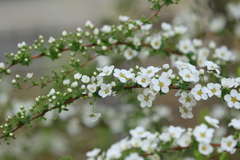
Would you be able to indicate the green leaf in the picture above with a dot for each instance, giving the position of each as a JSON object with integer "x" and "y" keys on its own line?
{"x": 224, "y": 156}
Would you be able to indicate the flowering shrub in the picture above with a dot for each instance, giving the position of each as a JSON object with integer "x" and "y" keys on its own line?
{"x": 196, "y": 74}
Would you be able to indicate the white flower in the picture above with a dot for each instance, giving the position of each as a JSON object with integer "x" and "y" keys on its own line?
{"x": 107, "y": 70}
{"x": 154, "y": 157}
{"x": 113, "y": 152}
{"x": 106, "y": 29}
{"x": 134, "y": 156}
{"x": 77, "y": 76}
{"x": 2, "y": 66}
{"x": 217, "y": 24}
{"x": 93, "y": 153}
{"x": 166, "y": 26}
{"x": 146, "y": 98}
{"x": 228, "y": 143}
{"x": 186, "y": 112}
{"x": 92, "y": 87}
{"x": 175, "y": 132}
{"x": 212, "y": 44}
{"x": 92, "y": 116}
{"x": 146, "y": 27}
{"x": 51, "y": 40}
{"x": 233, "y": 99}
{"x": 143, "y": 80}
{"x": 69, "y": 90}
{"x": 214, "y": 89}
{"x": 223, "y": 53}
{"x": 213, "y": 122}
{"x": 29, "y": 75}
{"x": 139, "y": 132}
{"x": 85, "y": 79}
{"x": 203, "y": 134}
{"x": 180, "y": 29}
{"x": 165, "y": 137}
{"x": 106, "y": 90}
{"x": 89, "y": 24}
{"x": 197, "y": 42}
{"x": 136, "y": 142}
{"x": 227, "y": 82}
{"x": 52, "y": 91}
{"x": 156, "y": 42}
{"x": 64, "y": 33}
{"x": 130, "y": 53}
{"x": 187, "y": 99}
{"x": 148, "y": 146}
{"x": 66, "y": 82}
{"x": 203, "y": 52}
{"x": 162, "y": 83}
{"x": 136, "y": 41}
{"x": 235, "y": 123}
{"x": 123, "y": 75}
{"x": 150, "y": 71}
{"x": 212, "y": 66}
{"x": 74, "y": 84}
{"x": 96, "y": 31}
{"x": 205, "y": 148}
{"x": 188, "y": 76}
{"x": 233, "y": 9}
{"x": 200, "y": 92}
{"x": 123, "y": 18}
{"x": 184, "y": 140}
{"x": 186, "y": 46}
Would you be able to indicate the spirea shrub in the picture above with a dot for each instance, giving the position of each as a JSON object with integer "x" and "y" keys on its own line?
{"x": 197, "y": 72}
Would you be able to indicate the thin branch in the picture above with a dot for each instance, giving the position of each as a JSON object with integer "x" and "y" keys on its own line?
{"x": 69, "y": 101}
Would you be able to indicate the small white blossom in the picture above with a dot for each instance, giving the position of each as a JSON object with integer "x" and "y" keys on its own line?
{"x": 203, "y": 134}
{"x": 187, "y": 99}
{"x": 85, "y": 79}
{"x": 213, "y": 122}
{"x": 166, "y": 26}
{"x": 235, "y": 123}
{"x": 143, "y": 80}
{"x": 223, "y": 53}
{"x": 139, "y": 132}
{"x": 106, "y": 90}
{"x": 77, "y": 76}
{"x": 2, "y": 66}
{"x": 205, "y": 148}
{"x": 214, "y": 89}
{"x": 64, "y": 33}
{"x": 74, "y": 84}
{"x": 186, "y": 46}
{"x": 134, "y": 156}
{"x": 233, "y": 99}
{"x": 197, "y": 42}
{"x": 146, "y": 98}
{"x": 123, "y": 18}
{"x": 106, "y": 29}
{"x": 93, "y": 153}
{"x": 130, "y": 53}
{"x": 52, "y": 91}
{"x": 150, "y": 71}
{"x": 123, "y": 75}
{"x": 66, "y": 82}
{"x": 228, "y": 144}
{"x": 180, "y": 29}
{"x": 92, "y": 116}
{"x": 184, "y": 140}
{"x": 162, "y": 83}
{"x": 107, "y": 70}
{"x": 200, "y": 92}
{"x": 186, "y": 112}
{"x": 92, "y": 87}
{"x": 29, "y": 75}
{"x": 175, "y": 132}
{"x": 156, "y": 42}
